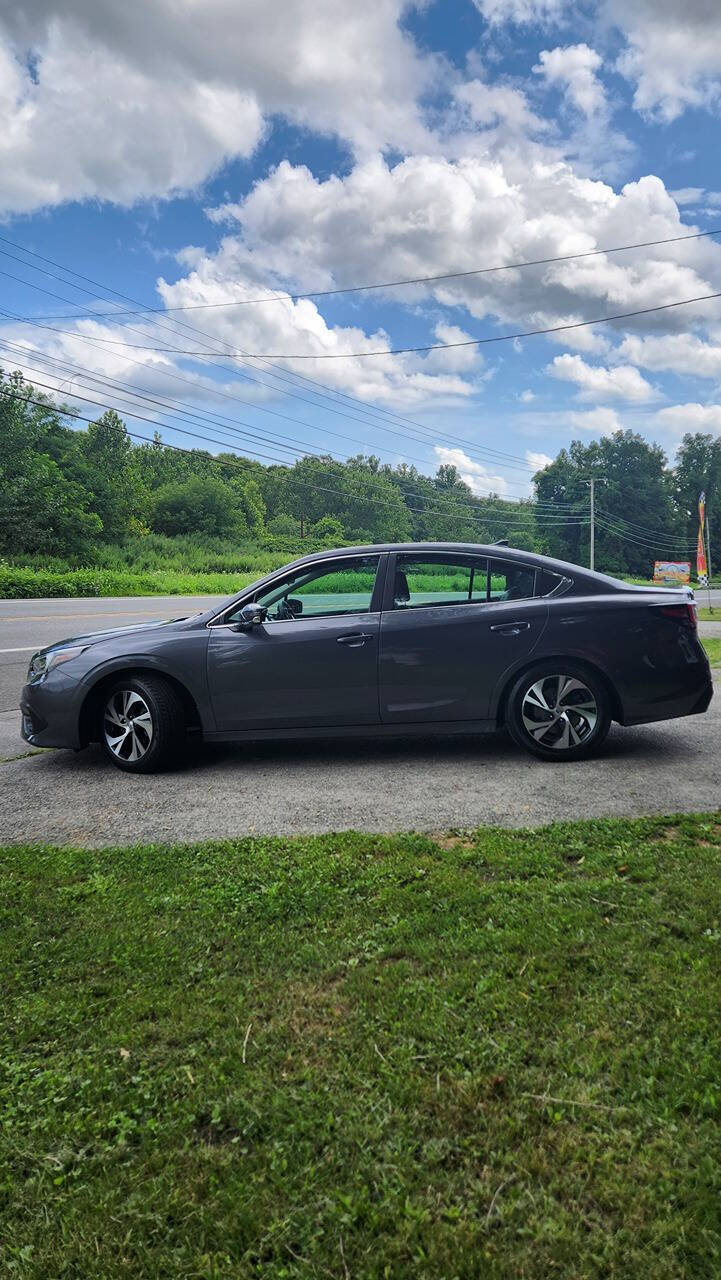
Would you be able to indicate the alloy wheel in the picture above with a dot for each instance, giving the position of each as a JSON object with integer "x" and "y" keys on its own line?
{"x": 128, "y": 725}
{"x": 559, "y": 712}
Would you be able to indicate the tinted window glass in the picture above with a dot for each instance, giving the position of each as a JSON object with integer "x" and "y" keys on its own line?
{"x": 512, "y": 581}
{"x": 321, "y": 591}
{"x": 548, "y": 582}
{"x": 420, "y": 582}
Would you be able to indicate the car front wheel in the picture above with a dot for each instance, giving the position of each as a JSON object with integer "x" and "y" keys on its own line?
{"x": 142, "y": 724}
{"x": 558, "y": 711}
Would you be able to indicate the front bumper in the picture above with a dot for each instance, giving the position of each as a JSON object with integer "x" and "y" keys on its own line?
{"x": 49, "y": 713}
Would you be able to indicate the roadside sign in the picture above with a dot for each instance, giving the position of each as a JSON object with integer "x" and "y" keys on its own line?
{"x": 672, "y": 572}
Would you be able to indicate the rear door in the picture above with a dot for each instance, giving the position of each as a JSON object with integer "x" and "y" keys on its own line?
{"x": 452, "y": 626}
{"x": 313, "y": 662}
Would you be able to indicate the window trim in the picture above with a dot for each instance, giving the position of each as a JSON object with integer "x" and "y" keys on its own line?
{"x": 389, "y": 606}
{"x": 267, "y": 583}
{"x": 429, "y": 557}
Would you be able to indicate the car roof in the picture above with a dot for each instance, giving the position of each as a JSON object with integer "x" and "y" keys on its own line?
{"x": 495, "y": 549}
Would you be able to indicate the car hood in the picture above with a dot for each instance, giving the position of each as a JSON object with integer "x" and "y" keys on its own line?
{"x": 111, "y": 633}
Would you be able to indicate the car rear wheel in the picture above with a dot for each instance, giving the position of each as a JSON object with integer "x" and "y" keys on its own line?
{"x": 558, "y": 711}
{"x": 142, "y": 724}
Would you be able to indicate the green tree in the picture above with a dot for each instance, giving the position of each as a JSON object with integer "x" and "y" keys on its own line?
{"x": 698, "y": 470}
{"x": 43, "y": 511}
{"x": 637, "y": 520}
{"x": 200, "y": 504}
{"x": 113, "y": 477}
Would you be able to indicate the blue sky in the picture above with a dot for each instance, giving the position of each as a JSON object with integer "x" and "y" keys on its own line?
{"x": 184, "y": 155}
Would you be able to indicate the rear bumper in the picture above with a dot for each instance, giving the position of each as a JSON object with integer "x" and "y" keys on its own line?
{"x": 691, "y": 704}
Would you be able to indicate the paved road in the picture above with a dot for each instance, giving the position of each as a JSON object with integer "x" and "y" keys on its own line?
{"x": 65, "y": 798}
{"x": 27, "y": 625}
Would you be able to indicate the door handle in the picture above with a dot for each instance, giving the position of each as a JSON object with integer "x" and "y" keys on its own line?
{"x": 355, "y": 640}
{"x": 510, "y": 628}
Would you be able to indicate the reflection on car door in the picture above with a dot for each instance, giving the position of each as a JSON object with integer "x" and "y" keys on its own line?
{"x": 308, "y": 672}
{"x": 443, "y": 661}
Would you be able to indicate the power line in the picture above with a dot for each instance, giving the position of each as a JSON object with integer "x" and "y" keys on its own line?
{"x": 633, "y": 525}
{"x": 400, "y": 351}
{"x": 241, "y": 358}
{"x": 394, "y": 284}
{"x": 481, "y": 452}
{"x": 238, "y": 463}
{"x": 625, "y": 536}
{"x": 480, "y": 342}
{"x": 448, "y": 507}
{"x": 498, "y": 457}
{"x": 115, "y": 384}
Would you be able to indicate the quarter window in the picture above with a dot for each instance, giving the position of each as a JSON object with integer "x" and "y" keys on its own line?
{"x": 320, "y": 591}
{"x": 507, "y": 581}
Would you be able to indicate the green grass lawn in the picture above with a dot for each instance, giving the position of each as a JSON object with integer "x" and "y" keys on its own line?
{"x": 709, "y": 615}
{"x": 712, "y": 645}
{"x": 494, "y": 1054}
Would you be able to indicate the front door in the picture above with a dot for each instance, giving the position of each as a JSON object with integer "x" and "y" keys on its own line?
{"x": 313, "y": 662}
{"x": 452, "y": 625}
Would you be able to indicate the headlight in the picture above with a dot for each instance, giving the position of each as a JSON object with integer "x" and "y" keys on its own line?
{"x": 42, "y": 663}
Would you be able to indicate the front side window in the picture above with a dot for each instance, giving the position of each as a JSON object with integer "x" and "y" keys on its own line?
{"x": 420, "y": 582}
{"x": 320, "y": 591}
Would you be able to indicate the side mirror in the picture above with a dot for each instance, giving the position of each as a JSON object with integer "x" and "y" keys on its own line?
{"x": 251, "y": 615}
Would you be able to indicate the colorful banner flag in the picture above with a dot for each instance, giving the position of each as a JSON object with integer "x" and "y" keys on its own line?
{"x": 701, "y": 567}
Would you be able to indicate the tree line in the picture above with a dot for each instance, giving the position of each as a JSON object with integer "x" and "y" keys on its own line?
{"x": 66, "y": 489}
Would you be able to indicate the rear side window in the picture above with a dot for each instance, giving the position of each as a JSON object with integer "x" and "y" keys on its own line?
{"x": 421, "y": 582}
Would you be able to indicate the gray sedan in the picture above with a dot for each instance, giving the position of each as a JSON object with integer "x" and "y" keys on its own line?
{"x": 421, "y": 638}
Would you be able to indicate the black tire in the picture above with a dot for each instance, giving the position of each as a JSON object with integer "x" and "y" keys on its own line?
{"x": 570, "y": 734}
{"x": 148, "y": 715}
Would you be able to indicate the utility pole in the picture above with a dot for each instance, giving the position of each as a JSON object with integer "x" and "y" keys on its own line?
{"x": 592, "y": 485}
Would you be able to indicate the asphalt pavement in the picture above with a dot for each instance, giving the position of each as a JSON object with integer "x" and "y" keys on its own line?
{"x": 375, "y": 785}
{"x": 27, "y": 625}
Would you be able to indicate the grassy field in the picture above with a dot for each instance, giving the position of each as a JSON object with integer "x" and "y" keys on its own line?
{"x": 709, "y": 615}
{"x": 491, "y": 1054}
{"x": 32, "y": 584}
{"x": 712, "y": 645}
{"x": 144, "y": 565}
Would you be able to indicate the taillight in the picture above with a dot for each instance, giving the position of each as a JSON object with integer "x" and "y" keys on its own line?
{"x": 685, "y": 613}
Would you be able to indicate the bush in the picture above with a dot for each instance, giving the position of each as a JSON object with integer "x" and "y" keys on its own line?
{"x": 23, "y": 584}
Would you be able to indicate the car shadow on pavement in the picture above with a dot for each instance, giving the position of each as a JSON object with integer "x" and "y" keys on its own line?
{"x": 644, "y": 745}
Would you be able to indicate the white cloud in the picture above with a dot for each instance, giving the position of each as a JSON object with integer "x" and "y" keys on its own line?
{"x": 601, "y": 421}
{"x": 94, "y": 126}
{"x": 538, "y": 460}
{"x": 673, "y": 53}
{"x": 682, "y": 353}
{"x": 478, "y": 478}
{"x": 145, "y": 98}
{"x": 573, "y": 69}
{"x": 522, "y": 12}
{"x": 526, "y": 397}
{"x": 490, "y": 105}
{"x": 692, "y": 417}
{"x": 687, "y": 195}
{"x": 595, "y": 382}
{"x": 455, "y": 359}
{"x": 431, "y": 215}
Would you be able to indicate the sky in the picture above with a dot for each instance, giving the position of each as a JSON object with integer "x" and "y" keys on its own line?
{"x": 181, "y": 154}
